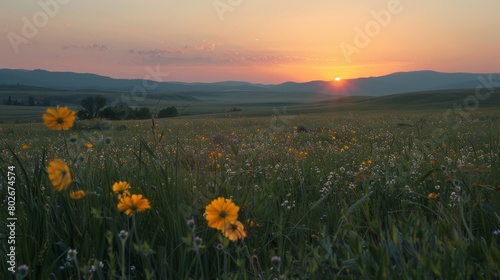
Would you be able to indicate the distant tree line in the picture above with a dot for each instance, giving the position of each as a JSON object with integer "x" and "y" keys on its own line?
{"x": 168, "y": 112}
{"x": 95, "y": 107}
{"x": 31, "y": 102}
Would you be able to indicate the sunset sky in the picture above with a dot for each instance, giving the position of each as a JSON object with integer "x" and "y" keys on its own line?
{"x": 258, "y": 41}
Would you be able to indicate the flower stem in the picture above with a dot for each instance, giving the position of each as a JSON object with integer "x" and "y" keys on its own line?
{"x": 65, "y": 142}
{"x": 123, "y": 259}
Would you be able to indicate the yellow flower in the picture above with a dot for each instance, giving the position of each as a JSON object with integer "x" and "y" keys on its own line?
{"x": 234, "y": 231}
{"x": 432, "y": 195}
{"x": 122, "y": 189}
{"x": 59, "y": 118}
{"x": 251, "y": 223}
{"x": 24, "y": 146}
{"x": 59, "y": 174}
{"x": 89, "y": 145}
{"x": 77, "y": 194}
{"x": 134, "y": 203}
{"x": 220, "y": 213}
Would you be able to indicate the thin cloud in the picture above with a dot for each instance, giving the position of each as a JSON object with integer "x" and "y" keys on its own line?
{"x": 155, "y": 51}
{"x": 178, "y": 60}
{"x": 205, "y": 47}
{"x": 232, "y": 58}
{"x": 97, "y": 47}
{"x": 210, "y": 53}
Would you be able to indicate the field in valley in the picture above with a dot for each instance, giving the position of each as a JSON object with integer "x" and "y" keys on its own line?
{"x": 348, "y": 195}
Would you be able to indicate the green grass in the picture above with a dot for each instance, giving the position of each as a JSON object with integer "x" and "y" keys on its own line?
{"x": 347, "y": 199}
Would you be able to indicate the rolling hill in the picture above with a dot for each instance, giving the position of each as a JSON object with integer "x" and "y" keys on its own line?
{"x": 369, "y": 86}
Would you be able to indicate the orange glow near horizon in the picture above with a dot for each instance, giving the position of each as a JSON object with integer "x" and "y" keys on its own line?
{"x": 338, "y": 86}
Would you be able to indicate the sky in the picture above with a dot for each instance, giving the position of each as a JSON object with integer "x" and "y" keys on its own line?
{"x": 259, "y": 41}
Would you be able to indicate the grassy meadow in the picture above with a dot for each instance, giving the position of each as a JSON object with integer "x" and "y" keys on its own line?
{"x": 373, "y": 195}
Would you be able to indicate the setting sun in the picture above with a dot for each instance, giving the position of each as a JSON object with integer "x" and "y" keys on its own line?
{"x": 337, "y": 79}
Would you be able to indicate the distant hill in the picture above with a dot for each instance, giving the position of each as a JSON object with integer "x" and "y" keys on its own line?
{"x": 16, "y": 88}
{"x": 370, "y": 86}
{"x": 421, "y": 100}
{"x": 78, "y": 81}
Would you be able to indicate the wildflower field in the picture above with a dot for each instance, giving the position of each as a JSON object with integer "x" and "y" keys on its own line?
{"x": 319, "y": 196}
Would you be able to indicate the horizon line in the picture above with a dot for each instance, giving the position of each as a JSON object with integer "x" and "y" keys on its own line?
{"x": 248, "y": 82}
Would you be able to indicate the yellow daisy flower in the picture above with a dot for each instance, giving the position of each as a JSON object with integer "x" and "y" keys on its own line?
{"x": 234, "y": 231}
{"x": 77, "y": 194}
{"x": 432, "y": 195}
{"x": 59, "y": 174}
{"x": 220, "y": 213}
{"x": 134, "y": 203}
{"x": 122, "y": 189}
{"x": 61, "y": 118}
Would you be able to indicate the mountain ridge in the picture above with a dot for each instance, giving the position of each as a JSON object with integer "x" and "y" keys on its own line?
{"x": 397, "y": 82}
